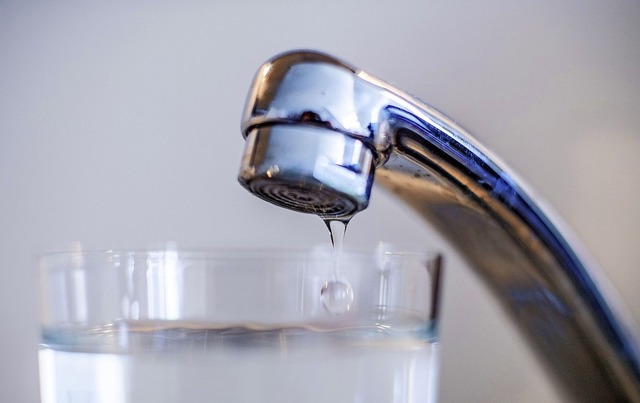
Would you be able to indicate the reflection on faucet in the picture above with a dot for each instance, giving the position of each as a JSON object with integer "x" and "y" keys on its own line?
{"x": 317, "y": 131}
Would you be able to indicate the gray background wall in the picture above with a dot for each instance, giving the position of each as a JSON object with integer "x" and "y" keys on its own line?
{"x": 119, "y": 126}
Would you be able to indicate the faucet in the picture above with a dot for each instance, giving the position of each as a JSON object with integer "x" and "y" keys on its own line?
{"x": 318, "y": 131}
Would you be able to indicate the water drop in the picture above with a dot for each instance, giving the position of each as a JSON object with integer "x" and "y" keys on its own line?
{"x": 337, "y": 296}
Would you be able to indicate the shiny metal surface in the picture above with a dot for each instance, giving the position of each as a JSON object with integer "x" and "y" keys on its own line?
{"x": 325, "y": 172}
{"x": 555, "y": 294}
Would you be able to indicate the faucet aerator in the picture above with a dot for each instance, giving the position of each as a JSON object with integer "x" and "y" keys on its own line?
{"x": 326, "y": 173}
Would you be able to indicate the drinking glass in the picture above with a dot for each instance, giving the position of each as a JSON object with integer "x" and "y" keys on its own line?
{"x": 238, "y": 326}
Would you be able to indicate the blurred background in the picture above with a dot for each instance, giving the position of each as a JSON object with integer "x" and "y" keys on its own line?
{"x": 119, "y": 128}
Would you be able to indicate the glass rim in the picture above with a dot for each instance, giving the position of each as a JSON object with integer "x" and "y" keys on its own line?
{"x": 206, "y": 253}
{"x": 48, "y": 261}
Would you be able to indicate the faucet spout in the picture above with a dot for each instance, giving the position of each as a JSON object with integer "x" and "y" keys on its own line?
{"x": 318, "y": 131}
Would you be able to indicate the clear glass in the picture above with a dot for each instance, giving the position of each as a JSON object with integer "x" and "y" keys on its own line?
{"x": 172, "y": 326}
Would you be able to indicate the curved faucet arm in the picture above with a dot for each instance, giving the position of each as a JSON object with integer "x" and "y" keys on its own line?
{"x": 437, "y": 168}
{"x": 573, "y": 321}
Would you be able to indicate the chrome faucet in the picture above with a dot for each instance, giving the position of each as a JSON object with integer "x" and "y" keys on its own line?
{"x": 319, "y": 130}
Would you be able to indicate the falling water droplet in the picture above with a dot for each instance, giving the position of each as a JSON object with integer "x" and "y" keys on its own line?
{"x": 337, "y": 296}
